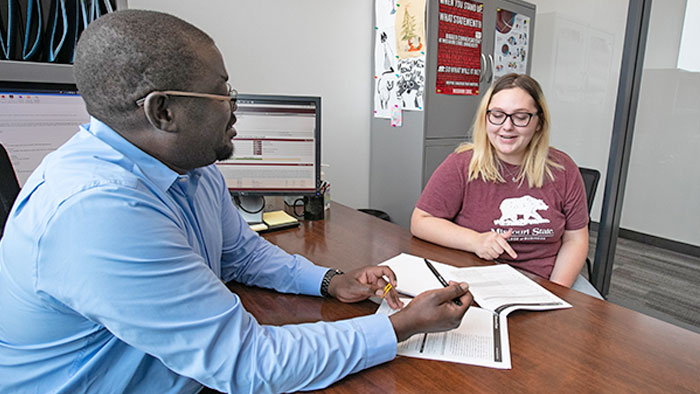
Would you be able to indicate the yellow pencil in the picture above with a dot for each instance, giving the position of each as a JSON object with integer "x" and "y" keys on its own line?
{"x": 386, "y": 289}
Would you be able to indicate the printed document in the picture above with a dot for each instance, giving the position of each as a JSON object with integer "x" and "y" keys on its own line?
{"x": 482, "y": 338}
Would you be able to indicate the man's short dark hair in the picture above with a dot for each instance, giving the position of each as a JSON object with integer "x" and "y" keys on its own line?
{"x": 123, "y": 56}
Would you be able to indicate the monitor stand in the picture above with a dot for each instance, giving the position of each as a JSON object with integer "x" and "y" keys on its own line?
{"x": 250, "y": 207}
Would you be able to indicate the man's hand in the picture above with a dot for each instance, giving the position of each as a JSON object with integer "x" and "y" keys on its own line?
{"x": 432, "y": 311}
{"x": 360, "y": 284}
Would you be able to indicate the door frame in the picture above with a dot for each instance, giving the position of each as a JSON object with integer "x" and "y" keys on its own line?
{"x": 631, "y": 68}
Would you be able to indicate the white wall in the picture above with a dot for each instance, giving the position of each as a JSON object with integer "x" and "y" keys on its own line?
{"x": 309, "y": 47}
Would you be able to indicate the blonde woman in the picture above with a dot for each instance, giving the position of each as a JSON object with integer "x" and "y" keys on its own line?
{"x": 509, "y": 196}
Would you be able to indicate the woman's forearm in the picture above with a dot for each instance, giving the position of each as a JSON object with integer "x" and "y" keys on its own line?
{"x": 442, "y": 231}
{"x": 571, "y": 257}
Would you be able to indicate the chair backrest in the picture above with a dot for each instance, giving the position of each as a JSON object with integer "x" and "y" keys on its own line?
{"x": 9, "y": 187}
{"x": 590, "y": 180}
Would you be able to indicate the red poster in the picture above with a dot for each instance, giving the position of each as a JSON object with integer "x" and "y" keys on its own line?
{"x": 459, "y": 47}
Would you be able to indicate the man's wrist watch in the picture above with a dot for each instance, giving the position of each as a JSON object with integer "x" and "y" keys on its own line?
{"x": 327, "y": 280}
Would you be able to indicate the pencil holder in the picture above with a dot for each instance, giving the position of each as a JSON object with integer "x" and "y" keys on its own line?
{"x": 314, "y": 207}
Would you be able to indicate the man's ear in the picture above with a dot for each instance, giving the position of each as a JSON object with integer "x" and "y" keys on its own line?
{"x": 159, "y": 111}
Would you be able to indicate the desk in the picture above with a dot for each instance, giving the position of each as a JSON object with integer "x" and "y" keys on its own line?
{"x": 593, "y": 347}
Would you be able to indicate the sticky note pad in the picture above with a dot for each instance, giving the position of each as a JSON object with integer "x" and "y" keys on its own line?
{"x": 276, "y": 218}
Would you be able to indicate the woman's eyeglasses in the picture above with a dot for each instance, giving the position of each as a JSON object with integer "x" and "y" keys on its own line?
{"x": 519, "y": 119}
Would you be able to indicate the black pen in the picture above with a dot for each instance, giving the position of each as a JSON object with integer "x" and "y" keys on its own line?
{"x": 442, "y": 280}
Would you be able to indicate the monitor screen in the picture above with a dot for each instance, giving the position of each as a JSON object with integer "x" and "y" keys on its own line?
{"x": 37, "y": 118}
{"x": 278, "y": 147}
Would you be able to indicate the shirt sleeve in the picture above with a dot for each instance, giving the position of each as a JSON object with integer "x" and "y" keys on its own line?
{"x": 113, "y": 257}
{"x": 250, "y": 259}
{"x": 444, "y": 193}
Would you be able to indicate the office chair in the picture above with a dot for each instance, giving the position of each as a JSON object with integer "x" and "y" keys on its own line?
{"x": 375, "y": 212}
{"x": 590, "y": 181}
{"x": 9, "y": 187}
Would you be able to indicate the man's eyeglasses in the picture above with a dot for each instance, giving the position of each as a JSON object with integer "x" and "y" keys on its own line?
{"x": 231, "y": 97}
{"x": 519, "y": 119}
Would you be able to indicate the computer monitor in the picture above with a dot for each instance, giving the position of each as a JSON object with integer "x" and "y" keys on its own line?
{"x": 278, "y": 146}
{"x": 277, "y": 150}
{"x": 37, "y": 118}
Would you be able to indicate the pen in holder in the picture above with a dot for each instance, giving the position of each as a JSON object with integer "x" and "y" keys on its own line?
{"x": 325, "y": 191}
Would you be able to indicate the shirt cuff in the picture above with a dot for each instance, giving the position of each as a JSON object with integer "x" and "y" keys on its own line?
{"x": 379, "y": 336}
{"x": 311, "y": 275}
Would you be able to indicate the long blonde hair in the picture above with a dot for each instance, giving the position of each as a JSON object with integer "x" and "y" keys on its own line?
{"x": 537, "y": 163}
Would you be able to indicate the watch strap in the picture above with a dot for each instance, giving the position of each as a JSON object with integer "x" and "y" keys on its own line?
{"x": 327, "y": 280}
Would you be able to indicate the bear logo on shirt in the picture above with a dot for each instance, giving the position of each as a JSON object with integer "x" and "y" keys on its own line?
{"x": 521, "y": 211}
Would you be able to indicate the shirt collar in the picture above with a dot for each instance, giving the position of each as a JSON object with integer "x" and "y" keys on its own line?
{"x": 149, "y": 166}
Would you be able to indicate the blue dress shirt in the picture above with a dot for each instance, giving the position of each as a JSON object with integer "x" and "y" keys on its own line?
{"x": 112, "y": 272}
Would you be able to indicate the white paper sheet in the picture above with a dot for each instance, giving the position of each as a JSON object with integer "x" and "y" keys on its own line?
{"x": 481, "y": 339}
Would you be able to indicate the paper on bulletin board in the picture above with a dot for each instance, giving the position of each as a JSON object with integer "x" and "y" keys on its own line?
{"x": 399, "y": 53}
{"x": 512, "y": 43}
{"x": 385, "y": 59}
{"x": 410, "y": 33}
{"x": 459, "y": 47}
{"x": 411, "y": 83}
{"x": 410, "y": 28}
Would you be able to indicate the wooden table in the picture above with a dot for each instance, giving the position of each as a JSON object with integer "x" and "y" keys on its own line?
{"x": 594, "y": 347}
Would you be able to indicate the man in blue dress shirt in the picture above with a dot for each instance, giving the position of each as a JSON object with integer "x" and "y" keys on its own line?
{"x": 115, "y": 254}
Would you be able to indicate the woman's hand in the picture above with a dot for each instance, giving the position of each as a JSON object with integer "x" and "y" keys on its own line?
{"x": 443, "y": 232}
{"x": 491, "y": 244}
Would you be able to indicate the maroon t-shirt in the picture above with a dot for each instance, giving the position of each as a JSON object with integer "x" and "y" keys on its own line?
{"x": 537, "y": 216}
